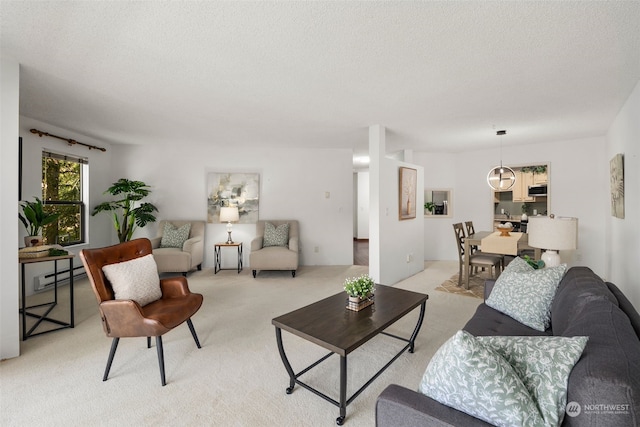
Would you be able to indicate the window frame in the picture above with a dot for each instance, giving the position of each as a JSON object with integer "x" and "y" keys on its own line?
{"x": 83, "y": 183}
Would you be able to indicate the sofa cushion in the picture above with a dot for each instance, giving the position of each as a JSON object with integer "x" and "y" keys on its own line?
{"x": 174, "y": 237}
{"x": 527, "y": 296}
{"x": 543, "y": 364}
{"x": 136, "y": 280}
{"x": 487, "y": 321}
{"x": 472, "y": 378}
{"x": 609, "y": 371}
{"x": 275, "y": 236}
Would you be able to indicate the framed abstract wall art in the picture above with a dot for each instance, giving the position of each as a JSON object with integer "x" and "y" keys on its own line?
{"x": 408, "y": 182}
{"x": 233, "y": 189}
{"x": 616, "y": 167}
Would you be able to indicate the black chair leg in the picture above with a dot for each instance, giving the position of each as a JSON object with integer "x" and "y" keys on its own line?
{"x": 293, "y": 273}
{"x": 161, "y": 359}
{"x": 112, "y": 352}
{"x": 148, "y": 342}
{"x": 193, "y": 332}
{"x": 254, "y": 274}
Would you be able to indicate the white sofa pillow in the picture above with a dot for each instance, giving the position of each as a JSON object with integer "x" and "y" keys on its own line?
{"x": 136, "y": 280}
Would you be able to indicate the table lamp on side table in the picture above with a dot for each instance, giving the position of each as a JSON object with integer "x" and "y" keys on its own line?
{"x": 553, "y": 234}
{"x": 229, "y": 214}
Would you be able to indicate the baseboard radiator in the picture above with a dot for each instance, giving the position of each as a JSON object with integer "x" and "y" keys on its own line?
{"x": 45, "y": 281}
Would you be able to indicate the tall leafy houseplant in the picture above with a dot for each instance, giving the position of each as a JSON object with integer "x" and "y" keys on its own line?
{"x": 127, "y": 214}
{"x": 34, "y": 217}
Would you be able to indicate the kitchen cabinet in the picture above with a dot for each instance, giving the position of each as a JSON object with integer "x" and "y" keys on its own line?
{"x": 540, "y": 178}
{"x": 521, "y": 187}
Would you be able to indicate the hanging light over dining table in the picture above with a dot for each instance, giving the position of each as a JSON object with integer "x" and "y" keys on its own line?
{"x": 501, "y": 178}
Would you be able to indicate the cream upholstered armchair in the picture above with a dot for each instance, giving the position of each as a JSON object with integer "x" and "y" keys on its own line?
{"x": 179, "y": 246}
{"x": 275, "y": 246}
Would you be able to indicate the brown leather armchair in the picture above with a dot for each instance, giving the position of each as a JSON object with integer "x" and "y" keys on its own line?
{"x": 126, "y": 318}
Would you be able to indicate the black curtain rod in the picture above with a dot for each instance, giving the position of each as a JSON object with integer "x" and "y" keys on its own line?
{"x": 68, "y": 140}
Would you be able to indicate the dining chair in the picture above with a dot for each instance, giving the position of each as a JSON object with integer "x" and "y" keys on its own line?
{"x": 474, "y": 248}
{"x": 477, "y": 259}
{"x": 133, "y": 300}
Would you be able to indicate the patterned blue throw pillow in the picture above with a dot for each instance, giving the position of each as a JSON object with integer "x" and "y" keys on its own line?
{"x": 275, "y": 236}
{"x": 467, "y": 375}
{"x": 527, "y": 296}
{"x": 174, "y": 237}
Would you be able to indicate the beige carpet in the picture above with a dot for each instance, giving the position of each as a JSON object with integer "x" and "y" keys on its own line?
{"x": 237, "y": 378}
{"x": 476, "y": 286}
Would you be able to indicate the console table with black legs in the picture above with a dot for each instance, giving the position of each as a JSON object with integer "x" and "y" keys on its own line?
{"x": 218, "y": 256}
{"x": 51, "y": 304}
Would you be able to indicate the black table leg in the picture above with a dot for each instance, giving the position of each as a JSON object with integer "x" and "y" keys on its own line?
{"x": 343, "y": 390}
{"x": 285, "y": 361}
{"x": 418, "y": 326}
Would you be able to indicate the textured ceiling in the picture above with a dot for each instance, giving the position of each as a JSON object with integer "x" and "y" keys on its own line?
{"x": 438, "y": 75}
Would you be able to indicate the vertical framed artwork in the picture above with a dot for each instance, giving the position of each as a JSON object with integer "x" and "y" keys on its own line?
{"x": 616, "y": 168}
{"x": 233, "y": 189}
{"x": 407, "y": 203}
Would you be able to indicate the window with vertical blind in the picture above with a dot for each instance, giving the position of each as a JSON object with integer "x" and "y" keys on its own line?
{"x": 63, "y": 183}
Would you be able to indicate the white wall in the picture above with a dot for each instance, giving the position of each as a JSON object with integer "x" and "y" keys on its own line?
{"x": 578, "y": 187}
{"x": 623, "y": 242}
{"x": 9, "y": 119}
{"x": 396, "y": 250}
{"x": 99, "y": 229}
{"x": 293, "y": 185}
{"x": 362, "y": 213}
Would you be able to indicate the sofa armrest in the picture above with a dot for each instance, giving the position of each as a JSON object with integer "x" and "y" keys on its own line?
{"x": 293, "y": 244}
{"x": 256, "y": 243}
{"x": 398, "y": 406}
{"x": 488, "y": 287}
{"x": 155, "y": 242}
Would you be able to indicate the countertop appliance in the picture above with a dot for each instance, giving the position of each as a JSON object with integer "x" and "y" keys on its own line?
{"x": 537, "y": 190}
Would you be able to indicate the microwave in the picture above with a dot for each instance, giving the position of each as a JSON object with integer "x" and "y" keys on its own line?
{"x": 537, "y": 190}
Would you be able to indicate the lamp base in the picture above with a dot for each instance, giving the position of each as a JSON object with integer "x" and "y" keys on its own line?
{"x": 229, "y": 241}
{"x": 551, "y": 258}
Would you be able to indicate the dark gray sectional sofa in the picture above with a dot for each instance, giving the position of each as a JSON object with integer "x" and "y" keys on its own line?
{"x": 605, "y": 382}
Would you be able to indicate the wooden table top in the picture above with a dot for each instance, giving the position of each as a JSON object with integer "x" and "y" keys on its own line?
{"x": 328, "y": 323}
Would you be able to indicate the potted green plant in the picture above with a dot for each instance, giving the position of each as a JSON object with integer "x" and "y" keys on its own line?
{"x": 430, "y": 207}
{"x": 360, "y": 287}
{"x": 34, "y": 217}
{"x": 127, "y": 214}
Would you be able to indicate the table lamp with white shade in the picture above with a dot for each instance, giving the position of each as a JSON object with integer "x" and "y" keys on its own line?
{"x": 553, "y": 234}
{"x": 229, "y": 214}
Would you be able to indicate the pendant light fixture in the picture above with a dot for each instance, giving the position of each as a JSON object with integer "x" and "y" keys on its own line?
{"x": 501, "y": 178}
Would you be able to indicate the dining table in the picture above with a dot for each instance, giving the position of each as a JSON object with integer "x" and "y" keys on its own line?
{"x": 494, "y": 245}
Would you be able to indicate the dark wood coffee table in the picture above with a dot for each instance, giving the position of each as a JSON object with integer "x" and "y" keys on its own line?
{"x": 329, "y": 324}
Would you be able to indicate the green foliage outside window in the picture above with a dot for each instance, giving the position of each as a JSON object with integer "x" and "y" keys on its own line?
{"x": 62, "y": 193}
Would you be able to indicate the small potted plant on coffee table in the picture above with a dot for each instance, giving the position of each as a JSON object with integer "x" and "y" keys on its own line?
{"x": 360, "y": 290}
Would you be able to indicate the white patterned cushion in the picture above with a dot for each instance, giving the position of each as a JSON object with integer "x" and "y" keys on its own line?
{"x": 275, "y": 236}
{"x": 174, "y": 237}
{"x": 135, "y": 280}
{"x": 527, "y": 296}
{"x": 468, "y": 376}
{"x": 543, "y": 364}
{"x": 519, "y": 265}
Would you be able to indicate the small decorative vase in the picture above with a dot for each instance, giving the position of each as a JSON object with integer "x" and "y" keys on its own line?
{"x": 524, "y": 217}
{"x": 358, "y": 303}
{"x": 32, "y": 241}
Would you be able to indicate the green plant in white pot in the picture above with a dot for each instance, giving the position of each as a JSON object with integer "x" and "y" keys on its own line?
{"x": 360, "y": 287}
{"x": 127, "y": 213}
{"x": 34, "y": 217}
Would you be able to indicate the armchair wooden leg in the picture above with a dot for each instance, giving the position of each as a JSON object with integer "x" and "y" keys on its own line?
{"x": 254, "y": 274}
{"x": 112, "y": 352}
{"x": 148, "y": 342}
{"x": 293, "y": 273}
{"x": 193, "y": 332}
{"x": 161, "y": 359}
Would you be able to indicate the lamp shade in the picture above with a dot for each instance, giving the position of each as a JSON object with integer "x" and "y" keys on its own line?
{"x": 553, "y": 233}
{"x": 229, "y": 214}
